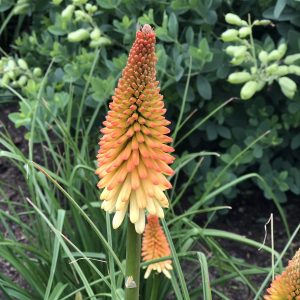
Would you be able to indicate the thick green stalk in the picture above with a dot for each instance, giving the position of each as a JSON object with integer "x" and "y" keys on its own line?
{"x": 155, "y": 284}
{"x": 133, "y": 258}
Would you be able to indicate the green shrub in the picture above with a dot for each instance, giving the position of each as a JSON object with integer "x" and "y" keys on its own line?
{"x": 80, "y": 50}
{"x": 85, "y": 43}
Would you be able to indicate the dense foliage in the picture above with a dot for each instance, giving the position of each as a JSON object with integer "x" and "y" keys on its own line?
{"x": 60, "y": 61}
{"x": 189, "y": 37}
{"x": 79, "y": 38}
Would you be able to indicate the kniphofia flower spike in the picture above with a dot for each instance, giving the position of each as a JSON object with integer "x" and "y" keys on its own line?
{"x": 133, "y": 157}
{"x": 287, "y": 285}
{"x": 155, "y": 245}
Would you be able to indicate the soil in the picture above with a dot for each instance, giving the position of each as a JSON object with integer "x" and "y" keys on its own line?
{"x": 247, "y": 218}
{"x": 11, "y": 182}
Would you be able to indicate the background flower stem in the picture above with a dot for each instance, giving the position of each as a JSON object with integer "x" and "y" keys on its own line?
{"x": 155, "y": 284}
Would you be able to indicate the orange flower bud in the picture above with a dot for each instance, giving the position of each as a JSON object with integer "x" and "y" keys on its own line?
{"x": 287, "y": 285}
{"x": 133, "y": 157}
{"x": 155, "y": 245}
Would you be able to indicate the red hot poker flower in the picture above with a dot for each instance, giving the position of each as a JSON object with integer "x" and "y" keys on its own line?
{"x": 287, "y": 285}
{"x": 133, "y": 157}
{"x": 155, "y": 245}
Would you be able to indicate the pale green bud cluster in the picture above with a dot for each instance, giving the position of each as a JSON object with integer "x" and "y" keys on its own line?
{"x": 259, "y": 67}
{"x": 15, "y": 72}
{"x": 91, "y": 8}
{"x": 82, "y": 12}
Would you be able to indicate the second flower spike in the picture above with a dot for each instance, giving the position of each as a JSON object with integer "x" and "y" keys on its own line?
{"x": 155, "y": 245}
{"x": 133, "y": 157}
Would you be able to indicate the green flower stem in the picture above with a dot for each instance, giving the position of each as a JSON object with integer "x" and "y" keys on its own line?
{"x": 133, "y": 258}
{"x": 154, "y": 289}
{"x": 252, "y": 43}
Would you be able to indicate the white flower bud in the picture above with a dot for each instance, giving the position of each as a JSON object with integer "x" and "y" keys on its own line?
{"x": 290, "y": 59}
{"x": 236, "y": 51}
{"x": 239, "y": 77}
{"x": 68, "y": 12}
{"x": 230, "y": 35}
{"x": 263, "y": 56}
{"x": 282, "y": 49}
{"x": 294, "y": 70}
{"x": 95, "y": 34}
{"x": 248, "y": 90}
{"x": 262, "y": 22}
{"x": 234, "y": 20}
{"x": 37, "y": 72}
{"x": 22, "y": 64}
{"x": 281, "y": 71}
{"x": 287, "y": 86}
{"x": 22, "y": 80}
{"x": 78, "y": 35}
{"x": 244, "y": 31}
